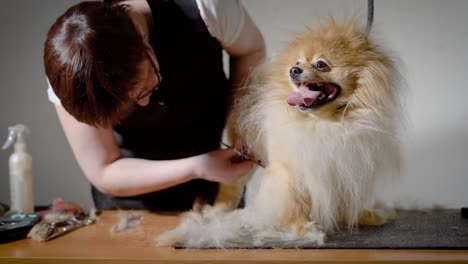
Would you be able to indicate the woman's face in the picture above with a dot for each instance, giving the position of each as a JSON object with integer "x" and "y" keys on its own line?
{"x": 149, "y": 79}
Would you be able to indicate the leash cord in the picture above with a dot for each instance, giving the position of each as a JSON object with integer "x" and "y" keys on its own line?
{"x": 370, "y": 15}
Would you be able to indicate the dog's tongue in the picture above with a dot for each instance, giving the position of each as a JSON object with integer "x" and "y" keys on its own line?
{"x": 305, "y": 97}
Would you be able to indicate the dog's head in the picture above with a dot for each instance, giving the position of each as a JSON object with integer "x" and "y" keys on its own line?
{"x": 333, "y": 70}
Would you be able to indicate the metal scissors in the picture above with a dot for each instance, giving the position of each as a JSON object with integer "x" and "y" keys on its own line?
{"x": 243, "y": 155}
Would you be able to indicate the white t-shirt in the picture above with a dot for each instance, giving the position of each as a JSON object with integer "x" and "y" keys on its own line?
{"x": 227, "y": 21}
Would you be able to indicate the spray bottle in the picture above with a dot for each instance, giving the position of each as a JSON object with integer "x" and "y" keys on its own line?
{"x": 21, "y": 181}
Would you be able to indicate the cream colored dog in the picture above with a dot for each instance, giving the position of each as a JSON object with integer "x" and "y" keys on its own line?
{"x": 323, "y": 116}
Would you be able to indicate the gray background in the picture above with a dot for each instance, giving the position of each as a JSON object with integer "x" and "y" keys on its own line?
{"x": 429, "y": 36}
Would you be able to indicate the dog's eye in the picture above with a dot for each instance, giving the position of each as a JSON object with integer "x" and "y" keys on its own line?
{"x": 321, "y": 66}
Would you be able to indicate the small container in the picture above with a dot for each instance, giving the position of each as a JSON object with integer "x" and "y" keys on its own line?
{"x": 21, "y": 179}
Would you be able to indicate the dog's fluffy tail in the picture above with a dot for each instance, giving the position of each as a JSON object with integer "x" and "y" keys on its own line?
{"x": 213, "y": 228}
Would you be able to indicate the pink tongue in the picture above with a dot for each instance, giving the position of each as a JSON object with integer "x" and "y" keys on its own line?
{"x": 305, "y": 97}
{"x": 295, "y": 99}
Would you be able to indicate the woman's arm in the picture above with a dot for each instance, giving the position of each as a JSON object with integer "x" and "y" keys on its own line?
{"x": 99, "y": 157}
{"x": 247, "y": 52}
{"x": 230, "y": 23}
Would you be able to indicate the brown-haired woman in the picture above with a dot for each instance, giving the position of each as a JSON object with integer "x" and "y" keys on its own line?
{"x": 142, "y": 97}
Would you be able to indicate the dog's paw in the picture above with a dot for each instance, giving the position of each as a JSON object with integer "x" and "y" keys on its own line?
{"x": 209, "y": 212}
{"x": 224, "y": 206}
{"x": 310, "y": 231}
{"x": 377, "y": 217}
{"x": 300, "y": 228}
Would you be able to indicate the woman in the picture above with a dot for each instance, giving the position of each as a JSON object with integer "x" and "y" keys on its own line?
{"x": 140, "y": 92}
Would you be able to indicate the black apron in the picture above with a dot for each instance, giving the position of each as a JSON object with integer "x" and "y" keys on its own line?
{"x": 186, "y": 116}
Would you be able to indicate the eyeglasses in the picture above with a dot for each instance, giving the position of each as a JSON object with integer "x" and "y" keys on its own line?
{"x": 156, "y": 71}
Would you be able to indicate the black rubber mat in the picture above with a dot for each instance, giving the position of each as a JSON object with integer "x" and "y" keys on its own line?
{"x": 440, "y": 229}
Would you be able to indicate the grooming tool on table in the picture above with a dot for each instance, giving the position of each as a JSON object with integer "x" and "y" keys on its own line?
{"x": 52, "y": 230}
{"x": 243, "y": 155}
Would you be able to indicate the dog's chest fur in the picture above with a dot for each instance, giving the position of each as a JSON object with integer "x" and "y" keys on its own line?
{"x": 334, "y": 164}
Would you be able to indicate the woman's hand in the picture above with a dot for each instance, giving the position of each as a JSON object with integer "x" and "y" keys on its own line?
{"x": 221, "y": 166}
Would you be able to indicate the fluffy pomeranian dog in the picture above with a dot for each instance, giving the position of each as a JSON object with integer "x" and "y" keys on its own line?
{"x": 323, "y": 116}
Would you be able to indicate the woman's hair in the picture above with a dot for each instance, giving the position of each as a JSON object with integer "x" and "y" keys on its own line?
{"x": 91, "y": 57}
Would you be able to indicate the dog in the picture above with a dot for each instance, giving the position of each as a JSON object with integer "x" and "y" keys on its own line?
{"x": 324, "y": 117}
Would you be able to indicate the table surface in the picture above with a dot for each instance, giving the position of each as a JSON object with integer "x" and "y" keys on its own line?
{"x": 97, "y": 244}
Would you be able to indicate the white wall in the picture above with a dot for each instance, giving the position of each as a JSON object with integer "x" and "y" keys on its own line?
{"x": 429, "y": 36}
{"x": 23, "y": 28}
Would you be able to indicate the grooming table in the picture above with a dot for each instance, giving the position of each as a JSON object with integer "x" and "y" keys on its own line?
{"x": 97, "y": 244}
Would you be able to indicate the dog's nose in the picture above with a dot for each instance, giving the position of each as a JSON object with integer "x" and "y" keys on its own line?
{"x": 295, "y": 71}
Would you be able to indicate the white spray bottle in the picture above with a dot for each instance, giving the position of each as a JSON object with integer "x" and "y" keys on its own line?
{"x": 21, "y": 180}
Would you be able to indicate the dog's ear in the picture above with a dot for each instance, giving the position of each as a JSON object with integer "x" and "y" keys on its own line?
{"x": 378, "y": 85}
